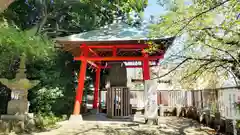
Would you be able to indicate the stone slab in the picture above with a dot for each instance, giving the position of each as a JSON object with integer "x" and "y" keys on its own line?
{"x": 13, "y": 117}
{"x": 76, "y": 118}
{"x": 17, "y": 107}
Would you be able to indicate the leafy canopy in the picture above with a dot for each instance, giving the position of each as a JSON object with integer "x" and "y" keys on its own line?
{"x": 14, "y": 42}
{"x": 30, "y": 26}
{"x": 211, "y": 37}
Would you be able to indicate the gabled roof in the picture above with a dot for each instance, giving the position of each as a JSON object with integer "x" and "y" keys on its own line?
{"x": 113, "y": 34}
{"x": 121, "y": 33}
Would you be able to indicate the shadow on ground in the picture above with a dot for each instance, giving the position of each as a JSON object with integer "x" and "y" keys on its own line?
{"x": 102, "y": 117}
{"x": 100, "y": 125}
{"x": 183, "y": 126}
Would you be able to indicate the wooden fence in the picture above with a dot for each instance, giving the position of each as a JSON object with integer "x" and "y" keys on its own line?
{"x": 220, "y": 100}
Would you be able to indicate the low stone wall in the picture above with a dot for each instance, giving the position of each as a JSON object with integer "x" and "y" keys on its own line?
{"x": 214, "y": 121}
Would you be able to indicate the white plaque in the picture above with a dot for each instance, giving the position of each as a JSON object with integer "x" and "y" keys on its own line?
{"x": 151, "y": 106}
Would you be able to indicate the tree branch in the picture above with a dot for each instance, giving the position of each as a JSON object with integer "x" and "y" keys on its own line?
{"x": 219, "y": 49}
{"x": 224, "y": 52}
{"x": 200, "y": 14}
{"x": 198, "y": 69}
{"x": 171, "y": 70}
{"x": 234, "y": 76}
{"x": 207, "y": 30}
{"x": 184, "y": 49}
{"x": 207, "y": 59}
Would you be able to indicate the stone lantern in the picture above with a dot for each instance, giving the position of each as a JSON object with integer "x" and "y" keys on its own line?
{"x": 19, "y": 90}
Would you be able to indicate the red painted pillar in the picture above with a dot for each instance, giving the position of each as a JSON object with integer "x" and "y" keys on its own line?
{"x": 146, "y": 70}
{"x": 96, "y": 88}
{"x": 146, "y": 76}
{"x": 81, "y": 80}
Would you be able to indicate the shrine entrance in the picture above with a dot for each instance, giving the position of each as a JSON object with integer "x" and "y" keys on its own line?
{"x": 118, "y": 102}
{"x": 100, "y": 51}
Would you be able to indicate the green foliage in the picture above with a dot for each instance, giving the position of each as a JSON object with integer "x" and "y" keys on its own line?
{"x": 44, "y": 64}
{"x": 60, "y": 17}
{"x": 211, "y": 38}
{"x": 20, "y": 42}
{"x": 49, "y": 120}
{"x": 14, "y": 42}
{"x": 28, "y": 28}
{"x": 46, "y": 98}
{"x": 56, "y": 91}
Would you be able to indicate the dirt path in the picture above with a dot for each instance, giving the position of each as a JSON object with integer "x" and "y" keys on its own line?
{"x": 167, "y": 126}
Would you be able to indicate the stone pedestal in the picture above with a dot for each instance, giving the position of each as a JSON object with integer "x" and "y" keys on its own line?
{"x": 17, "y": 110}
{"x": 76, "y": 118}
{"x": 13, "y": 117}
{"x": 19, "y": 86}
{"x": 17, "y": 123}
{"x": 17, "y": 107}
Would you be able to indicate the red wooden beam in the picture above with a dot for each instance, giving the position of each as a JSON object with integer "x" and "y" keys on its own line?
{"x": 128, "y": 66}
{"x": 119, "y": 58}
{"x": 90, "y": 62}
{"x": 96, "y": 88}
{"x": 114, "y": 51}
{"x": 93, "y": 64}
{"x": 136, "y": 46}
{"x": 93, "y": 52}
{"x": 81, "y": 79}
{"x": 145, "y": 67}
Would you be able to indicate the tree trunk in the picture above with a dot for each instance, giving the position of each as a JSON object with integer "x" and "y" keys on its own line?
{"x": 4, "y": 4}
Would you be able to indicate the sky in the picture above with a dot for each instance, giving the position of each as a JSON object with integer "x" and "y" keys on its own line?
{"x": 156, "y": 10}
{"x": 152, "y": 9}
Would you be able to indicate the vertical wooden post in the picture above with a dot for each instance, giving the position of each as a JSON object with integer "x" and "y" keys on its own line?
{"x": 96, "y": 88}
{"x": 114, "y": 51}
{"x": 100, "y": 100}
{"x": 146, "y": 76}
{"x": 193, "y": 98}
{"x": 146, "y": 71}
{"x": 201, "y": 99}
{"x": 81, "y": 80}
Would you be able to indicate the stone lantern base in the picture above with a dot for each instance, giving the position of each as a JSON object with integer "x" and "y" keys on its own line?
{"x": 17, "y": 107}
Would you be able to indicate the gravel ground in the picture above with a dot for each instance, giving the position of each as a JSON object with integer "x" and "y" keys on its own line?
{"x": 100, "y": 125}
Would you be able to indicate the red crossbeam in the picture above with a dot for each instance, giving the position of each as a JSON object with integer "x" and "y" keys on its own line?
{"x": 128, "y": 66}
{"x": 93, "y": 64}
{"x": 119, "y": 58}
{"x": 133, "y": 46}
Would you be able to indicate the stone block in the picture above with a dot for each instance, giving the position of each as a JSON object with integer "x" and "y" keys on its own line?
{"x": 17, "y": 126}
{"x": 138, "y": 113}
{"x": 76, "y": 118}
{"x": 4, "y": 127}
{"x": 17, "y": 107}
{"x": 151, "y": 121}
{"x": 30, "y": 125}
{"x": 13, "y": 117}
{"x": 11, "y": 126}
